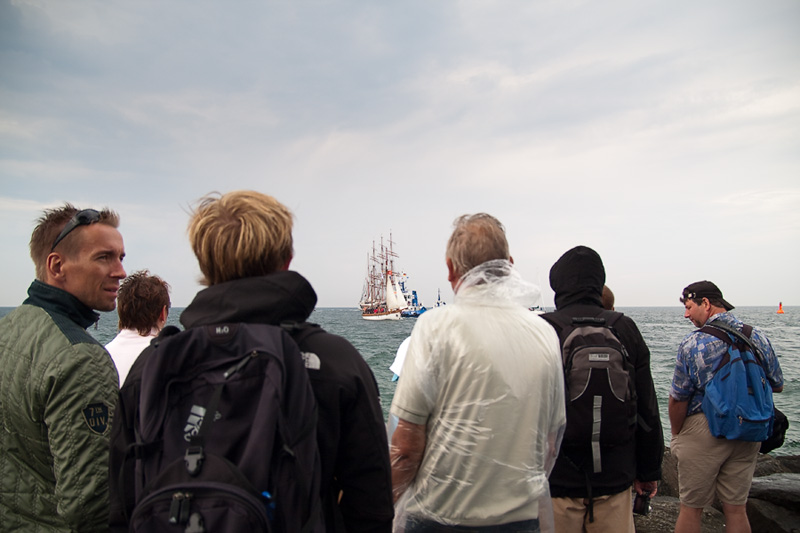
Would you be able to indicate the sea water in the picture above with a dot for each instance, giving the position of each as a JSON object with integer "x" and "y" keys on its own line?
{"x": 663, "y": 328}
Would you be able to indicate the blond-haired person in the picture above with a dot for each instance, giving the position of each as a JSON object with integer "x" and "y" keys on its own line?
{"x": 244, "y": 246}
{"x": 57, "y": 383}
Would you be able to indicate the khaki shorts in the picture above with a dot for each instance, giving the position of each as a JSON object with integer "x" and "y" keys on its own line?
{"x": 611, "y": 513}
{"x": 708, "y": 465}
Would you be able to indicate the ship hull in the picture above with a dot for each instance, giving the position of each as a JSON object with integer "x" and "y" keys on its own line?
{"x": 383, "y": 315}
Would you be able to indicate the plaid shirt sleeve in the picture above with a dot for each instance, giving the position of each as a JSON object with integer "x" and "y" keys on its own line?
{"x": 682, "y": 387}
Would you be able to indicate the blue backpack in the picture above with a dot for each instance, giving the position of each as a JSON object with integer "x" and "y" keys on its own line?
{"x": 738, "y": 400}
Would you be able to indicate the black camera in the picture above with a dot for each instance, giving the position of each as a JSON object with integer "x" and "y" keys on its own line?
{"x": 641, "y": 504}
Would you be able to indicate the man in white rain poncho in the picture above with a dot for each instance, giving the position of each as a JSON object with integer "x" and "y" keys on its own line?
{"x": 481, "y": 401}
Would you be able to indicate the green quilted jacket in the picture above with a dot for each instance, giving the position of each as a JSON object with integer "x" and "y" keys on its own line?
{"x": 57, "y": 388}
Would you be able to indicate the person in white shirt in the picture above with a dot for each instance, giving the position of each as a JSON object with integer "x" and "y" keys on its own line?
{"x": 143, "y": 306}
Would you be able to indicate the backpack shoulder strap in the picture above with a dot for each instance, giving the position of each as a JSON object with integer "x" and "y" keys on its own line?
{"x": 603, "y": 318}
{"x": 564, "y": 323}
{"x": 730, "y": 336}
{"x": 140, "y": 448}
{"x": 166, "y": 331}
{"x": 716, "y": 332}
{"x": 611, "y": 317}
{"x": 300, "y": 331}
{"x": 744, "y": 335}
{"x": 555, "y": 319}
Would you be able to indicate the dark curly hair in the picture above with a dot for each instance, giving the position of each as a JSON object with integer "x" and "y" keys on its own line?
{"x": 140, "y": 299}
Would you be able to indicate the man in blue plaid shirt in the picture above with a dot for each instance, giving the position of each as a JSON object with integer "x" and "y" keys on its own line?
{"x": 710, "y": 466}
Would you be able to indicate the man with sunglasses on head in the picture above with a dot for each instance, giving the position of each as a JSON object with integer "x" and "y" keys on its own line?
{"x": 58, "y": 385}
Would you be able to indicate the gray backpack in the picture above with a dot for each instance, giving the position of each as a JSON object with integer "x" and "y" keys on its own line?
{"x": 598, "y": 382}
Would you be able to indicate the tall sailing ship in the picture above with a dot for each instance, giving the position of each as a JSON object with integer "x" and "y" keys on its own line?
{"x": 381, "y": 298}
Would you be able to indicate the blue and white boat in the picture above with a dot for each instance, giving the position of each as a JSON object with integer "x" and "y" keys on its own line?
{"x": 414, "y": 306}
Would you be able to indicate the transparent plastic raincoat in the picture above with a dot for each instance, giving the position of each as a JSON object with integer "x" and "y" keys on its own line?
{"x": 479, "y": 408}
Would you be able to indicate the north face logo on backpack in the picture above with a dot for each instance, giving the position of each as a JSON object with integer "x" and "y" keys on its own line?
{"x": 194, "y": 422}
{"x": 311, "y": 360}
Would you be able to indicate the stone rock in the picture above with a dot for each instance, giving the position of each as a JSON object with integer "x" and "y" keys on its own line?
{"x": 774, "y": 496}
{"x": 766, "y": 517}
{"x": 669, "y": 475}
{"x": 770, "y": 464}
{"x": 664, "y": 513}
{"x": 778, "y": 489}
{"x": 766, "y": 465}
{"x": 789, "y": 463}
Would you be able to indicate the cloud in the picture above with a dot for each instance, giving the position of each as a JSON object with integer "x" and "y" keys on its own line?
{"x": 636, "y": 128}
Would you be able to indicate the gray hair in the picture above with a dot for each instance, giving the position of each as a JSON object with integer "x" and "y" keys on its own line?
{"x": 476, "y": 239}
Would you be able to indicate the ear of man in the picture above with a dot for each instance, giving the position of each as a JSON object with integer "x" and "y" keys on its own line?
{"x": 452, "y": 275}
{"x": 54, "y": 271}
{"x": 162, "y": 317}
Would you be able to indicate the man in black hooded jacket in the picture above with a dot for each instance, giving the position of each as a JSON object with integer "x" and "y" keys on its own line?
{"x": 243, "y": 242}
{"x": 582, "y": 499}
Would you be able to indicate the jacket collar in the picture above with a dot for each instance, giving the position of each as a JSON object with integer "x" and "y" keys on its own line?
{"x": 272, "y": 299}
{"x": 55, "y": 300}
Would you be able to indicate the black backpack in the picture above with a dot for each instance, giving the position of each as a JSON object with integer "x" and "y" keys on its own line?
{"x": 778, "y": 435}
{"x": 598, "y": 383}
{"x": 226, "y": 434}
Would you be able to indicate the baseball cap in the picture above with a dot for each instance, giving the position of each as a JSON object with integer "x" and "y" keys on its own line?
{"x": 705, "y": 289}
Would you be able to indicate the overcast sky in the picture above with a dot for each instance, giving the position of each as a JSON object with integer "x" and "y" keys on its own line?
{"x": 665, "y": 135}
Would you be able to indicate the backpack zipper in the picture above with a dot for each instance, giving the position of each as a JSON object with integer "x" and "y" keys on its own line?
{"x": 181, "y": 501}
{"x": 240, "y": 365}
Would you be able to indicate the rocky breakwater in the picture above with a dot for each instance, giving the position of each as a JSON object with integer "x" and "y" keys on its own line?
{"x": 772, "y": 507}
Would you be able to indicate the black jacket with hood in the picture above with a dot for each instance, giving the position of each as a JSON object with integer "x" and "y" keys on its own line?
{"x": 351, "y": 432}
{"x": 577, "y": 279}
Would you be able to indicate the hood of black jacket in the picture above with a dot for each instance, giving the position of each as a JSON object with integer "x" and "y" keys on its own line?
{"x": 272, "y": 299}
{"x": 578, "y": 278}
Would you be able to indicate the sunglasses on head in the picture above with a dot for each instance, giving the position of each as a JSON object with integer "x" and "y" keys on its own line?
{"x": 81, "y": 218}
